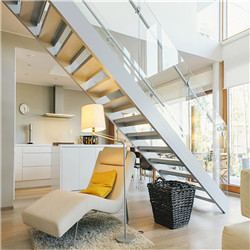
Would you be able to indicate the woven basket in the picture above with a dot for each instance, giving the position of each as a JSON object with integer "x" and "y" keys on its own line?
{"x": 172, "y": 202}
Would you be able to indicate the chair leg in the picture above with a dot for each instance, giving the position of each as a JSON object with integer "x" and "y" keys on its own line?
{"x": 74, "y": 241}
{"x": 127, "y": 212}
{"x": 137, "y": 179}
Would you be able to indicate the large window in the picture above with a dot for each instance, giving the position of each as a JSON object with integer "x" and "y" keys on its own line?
{"x": 239, "y": 131}
{"x": 196, "y": 126}
{"x": 235, "y": 17}
{"x": 202, "y": 131}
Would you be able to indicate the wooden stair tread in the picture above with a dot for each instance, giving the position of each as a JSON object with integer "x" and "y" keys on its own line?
{"x": 70, "y": 48}
{"x": 26, "y": 10}
{"x": 87, "y": 68}
{"x": 104, "y": 87}
{"x": 118, "y": 101}
{"x": 50, "y": 25}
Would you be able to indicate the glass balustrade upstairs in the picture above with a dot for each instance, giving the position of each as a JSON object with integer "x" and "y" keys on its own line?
{"x": 132, "y": 31}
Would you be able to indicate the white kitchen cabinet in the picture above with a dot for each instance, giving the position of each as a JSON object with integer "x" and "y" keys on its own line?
{"x": 36, "y": 149}
{"x": 36, "y": 159}
{"x": 32, "y": 165}
{"x": 70, "y": 168}
{"x": 87, "y": 162}
{"x": 36, "y": 173}
{"x": 73, "y": 165}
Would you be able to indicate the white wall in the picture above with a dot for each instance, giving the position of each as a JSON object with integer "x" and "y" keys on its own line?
{"x": 179, "y": 19}
{"x": 236, "y": 56}
{"x": 8, "y": 122}
{"x": 8, "y": 108}
{"x": 48, "y": 130}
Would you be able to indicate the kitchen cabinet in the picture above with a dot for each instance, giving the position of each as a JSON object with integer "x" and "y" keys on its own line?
{"x": 73, "y": 165}
{"x": 87, "y": 160}
{"x": 32, "y": 165}
{"x": 70, "y": 168}
{"x": 36, "y": 173}
{"x": 31, "y": 159}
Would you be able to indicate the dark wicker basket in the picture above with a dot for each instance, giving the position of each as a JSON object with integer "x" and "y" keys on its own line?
{"x": 172, "y": 202}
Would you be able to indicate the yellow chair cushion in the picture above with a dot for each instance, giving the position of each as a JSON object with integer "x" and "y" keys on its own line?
{"x": 101, "y": 183}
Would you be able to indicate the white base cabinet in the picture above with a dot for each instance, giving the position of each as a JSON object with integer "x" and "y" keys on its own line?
{"x": 70, "y": 169}
{"x": 73, "y": 165}
{"x": 87, "y": 156}
{"x": 32, "y": 165}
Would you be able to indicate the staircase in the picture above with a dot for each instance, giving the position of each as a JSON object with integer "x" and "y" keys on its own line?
{"x": 62, "y": 28}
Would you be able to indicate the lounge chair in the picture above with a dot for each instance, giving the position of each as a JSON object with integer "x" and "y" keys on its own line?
{"x": 56, "y": 212}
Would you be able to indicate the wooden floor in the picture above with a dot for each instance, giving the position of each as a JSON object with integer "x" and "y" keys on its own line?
{"x": 203, "y": 232}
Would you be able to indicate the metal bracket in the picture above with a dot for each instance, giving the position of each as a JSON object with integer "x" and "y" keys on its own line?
{"x": 138, "y": 9}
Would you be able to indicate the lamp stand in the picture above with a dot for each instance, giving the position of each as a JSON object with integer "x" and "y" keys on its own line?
{"x": 125, "y": 237}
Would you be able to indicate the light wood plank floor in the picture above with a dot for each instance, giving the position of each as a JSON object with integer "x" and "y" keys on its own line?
{"x": 203, "y": 232}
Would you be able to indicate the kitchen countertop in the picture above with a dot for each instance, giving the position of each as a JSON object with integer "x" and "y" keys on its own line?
{"x": 33, "y": 145}
{"x": 89, "y": 145}
{"x": 67, "y": 145}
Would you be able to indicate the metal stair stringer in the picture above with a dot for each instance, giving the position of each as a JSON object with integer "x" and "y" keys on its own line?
{"x": 111, "y": 63}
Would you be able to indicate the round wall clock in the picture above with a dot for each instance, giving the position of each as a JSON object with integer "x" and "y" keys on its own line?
{"x": 24, "y": 109}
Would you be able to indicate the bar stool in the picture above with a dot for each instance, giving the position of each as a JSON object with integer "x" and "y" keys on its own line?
{"x": 141, "y": 167}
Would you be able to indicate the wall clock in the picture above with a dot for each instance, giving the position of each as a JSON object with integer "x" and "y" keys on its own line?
{"x": 24, "y": 109}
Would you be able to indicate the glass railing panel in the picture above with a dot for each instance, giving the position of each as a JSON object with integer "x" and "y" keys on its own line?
{"x": 159, "y": 46}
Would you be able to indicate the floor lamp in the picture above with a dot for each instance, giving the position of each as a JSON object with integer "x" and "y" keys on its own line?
{"x": 93, "y": 120}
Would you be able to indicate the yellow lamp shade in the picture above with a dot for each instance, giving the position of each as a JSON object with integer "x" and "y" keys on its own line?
{"x": 93, "y": 118}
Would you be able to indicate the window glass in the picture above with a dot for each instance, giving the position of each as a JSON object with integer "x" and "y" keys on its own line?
{"x": 202, "y": 132}
{"x": 236, "y": 17}
{"x": 197, "y": 128}
{"x": 239, "y": 131}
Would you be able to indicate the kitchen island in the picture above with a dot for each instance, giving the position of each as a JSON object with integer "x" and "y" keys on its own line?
{"x": 67, "y": 166}
{"x": 73, "y": 165}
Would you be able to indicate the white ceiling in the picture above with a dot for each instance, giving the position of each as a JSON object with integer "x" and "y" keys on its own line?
{"x": 196, "y": 63}
{"x": 40, "y": 68}
{"x": 34, "y": 67}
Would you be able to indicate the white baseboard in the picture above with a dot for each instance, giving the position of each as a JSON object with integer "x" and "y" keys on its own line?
{"x": 33, "y": 183}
